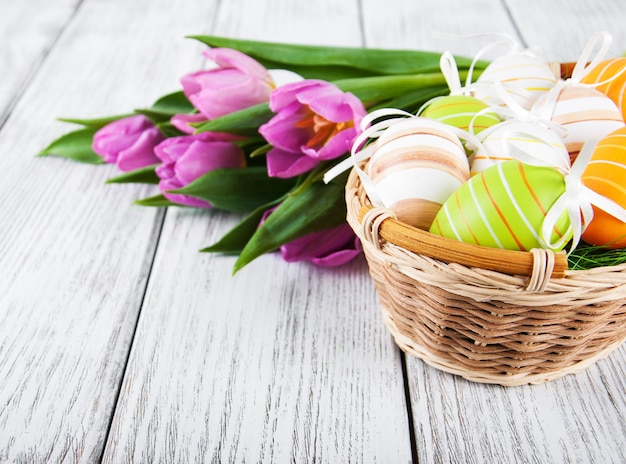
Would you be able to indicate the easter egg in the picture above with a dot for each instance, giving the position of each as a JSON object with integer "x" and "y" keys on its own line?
{"x": 614, "y": 88}
{"x": 524, "y": 76}
{"x": 606, "y": 174}
{"x": 583, "y": 111}
{"x": 539, "y": 146}
{"x": 504, "y": 206}
{"x": 461, "y": 111}
{"x": 415, "y": 166}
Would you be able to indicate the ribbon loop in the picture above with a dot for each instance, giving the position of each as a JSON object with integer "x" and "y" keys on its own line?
{"x": 450, "y": 72}
{"x": 578, "y": 201}
{"x": 584, "y": 65}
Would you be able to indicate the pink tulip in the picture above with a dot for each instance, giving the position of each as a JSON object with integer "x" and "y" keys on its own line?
{"x": 315, "y": 121}
{"x": 326, "y": 248}
{"x": 188, "y": 157}
{"x": 237, "y": 82}
{"x": 128, "y": 142}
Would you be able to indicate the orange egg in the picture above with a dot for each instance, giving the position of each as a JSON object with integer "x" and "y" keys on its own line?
{"x": 606, "y": 174}
{"x": 615, "y": 88}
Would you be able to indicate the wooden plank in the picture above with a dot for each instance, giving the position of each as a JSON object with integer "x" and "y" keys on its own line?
{"x": 281, "y": 363}
{"x": 564, "y": 28}
{"x": 578, "y": 418}
{"x": 25, "y": 43}
{"x": 457, "y": 26}
{"x": 75, "y": 254}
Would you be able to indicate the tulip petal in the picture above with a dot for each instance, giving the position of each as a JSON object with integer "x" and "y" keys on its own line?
{"x": 202, "y": 157}
{"x": 141, "y": 153}
{"x": 330, "y": 247}
{"x": 281, "y": 132}
{"x": 231, "y": 58}
{"x": 286, "y": 94}
{"x": 285, "y": 164}
{"x": 236, "y": 82}
{"x": 183, "y": 122}
{"x": 338, "y": 107}
{"x": 315, "y": 121}
{"x": 129, "y": 142}
{"x": 336, "y": 146}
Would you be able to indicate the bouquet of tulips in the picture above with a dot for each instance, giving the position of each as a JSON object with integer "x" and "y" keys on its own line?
{"x": 254, "y": 132}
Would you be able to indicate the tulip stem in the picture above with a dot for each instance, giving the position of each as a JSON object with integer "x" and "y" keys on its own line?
{"x": 260, "y": 151}
{"x": 379, "y": 88}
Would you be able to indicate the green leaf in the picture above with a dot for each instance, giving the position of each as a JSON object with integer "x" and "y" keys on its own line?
{"x": 238, "y": 190}
{"x": 413, "y": 100}
{"x": 167, "y": 106}
{"x": 173, "y": 103}
{"x": 243, "y": 122}
{"x": 370, "y": 61}
{"x": 235, "y": 240}
{"x": 96, "y": 123}
{"x": 146, "y": 175}
{"x": 157, "y": 200}
{"x": 75, "y": 146}
{"x": 321, "y": 206}
{"x": 168, "y": 130}
{"x": 372, "y": 89}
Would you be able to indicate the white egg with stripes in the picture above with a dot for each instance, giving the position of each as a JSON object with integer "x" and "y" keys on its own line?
{"x": 584, "y": 112}
{"x": 415, "y": 166}
{"x": 529, "y": 142}
{"x": 523, "y": 75}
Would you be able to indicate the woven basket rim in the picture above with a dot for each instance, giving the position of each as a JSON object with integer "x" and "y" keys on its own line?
{"x": 608, "y": 281}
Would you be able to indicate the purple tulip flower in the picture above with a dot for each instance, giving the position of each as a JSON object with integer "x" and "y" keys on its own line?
{"x": 326, "y": 248}
{"x": 237, "y": 82}
{"x": 188, "y": 157}
{"x": 128, "y": 142}
{"x": 315, "y": 121}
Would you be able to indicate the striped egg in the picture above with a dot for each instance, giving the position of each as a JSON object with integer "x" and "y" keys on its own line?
{"x": 614, "y": 89}
{"x": 504, "y": 206}
{"x": 583, "y": 111}
{"x": 461, "y": 111}
{"x": 538, "y": 144}
{"x": 524, "y": 76}
{"x": 415, "y": 166}
{"x": 606, "y": 174}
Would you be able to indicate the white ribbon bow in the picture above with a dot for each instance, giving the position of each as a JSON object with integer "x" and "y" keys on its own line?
{"x": 582, "y": 67}
{"x": 577, "y": 201}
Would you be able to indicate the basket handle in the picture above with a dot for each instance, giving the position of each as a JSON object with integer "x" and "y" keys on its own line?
{"x": 452, "y": 251}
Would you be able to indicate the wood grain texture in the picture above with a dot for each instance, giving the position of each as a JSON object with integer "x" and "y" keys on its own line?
{"x": 306, "y": 22}
{"x": 577, "y": 419}
{"x": 458, "y": 26}
{"x": 275, "y": 364}
{"x": 282, "y": 363}
{"x": 74, "y": 254}
{"x": 28, "y": 30}
{"x": 563, "y": 28}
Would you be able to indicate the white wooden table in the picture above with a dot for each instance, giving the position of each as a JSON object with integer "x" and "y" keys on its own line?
{"x": 119, "y": 342}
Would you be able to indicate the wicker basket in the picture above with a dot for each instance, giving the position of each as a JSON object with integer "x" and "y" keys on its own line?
{"x": 492, "y": 316}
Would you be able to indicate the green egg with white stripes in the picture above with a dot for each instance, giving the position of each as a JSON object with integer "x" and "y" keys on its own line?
{"x": 461, "y": 111}
{"x": 504, "y": 206}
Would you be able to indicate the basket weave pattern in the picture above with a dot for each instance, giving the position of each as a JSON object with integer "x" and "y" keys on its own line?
{"x": 489, "y": 326}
